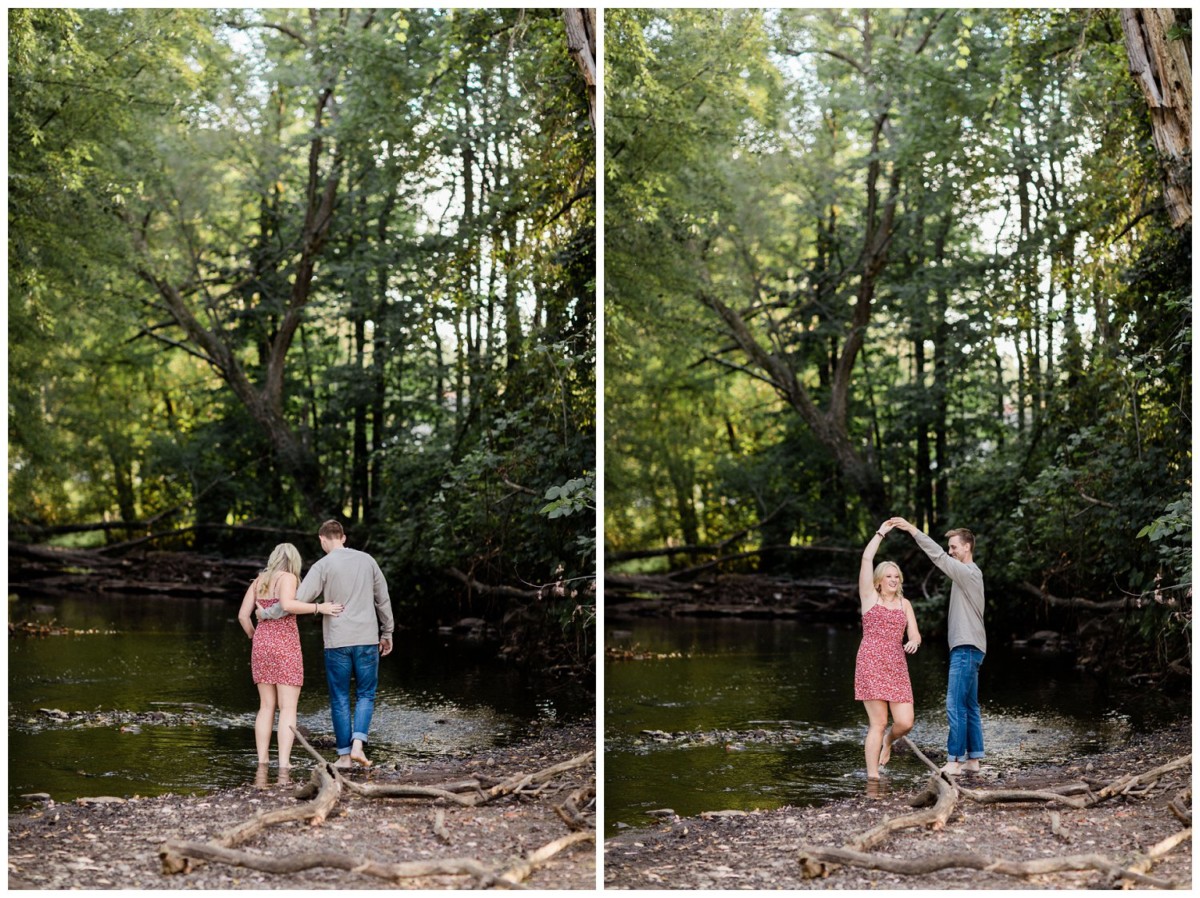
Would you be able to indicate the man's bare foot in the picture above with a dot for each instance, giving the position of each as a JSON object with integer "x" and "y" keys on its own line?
{"x": 972, "y": 765}
{"x": 952, "y": 768}
{"x": 343, "y": 762}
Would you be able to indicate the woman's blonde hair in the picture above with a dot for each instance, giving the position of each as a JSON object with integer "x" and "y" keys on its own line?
{"x": 878, "y": 576}
{"x": 285, "y": 557}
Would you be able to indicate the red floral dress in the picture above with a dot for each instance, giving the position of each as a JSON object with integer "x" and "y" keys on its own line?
{"x": 881, "y": 670}
{"x": 275, "y": 653}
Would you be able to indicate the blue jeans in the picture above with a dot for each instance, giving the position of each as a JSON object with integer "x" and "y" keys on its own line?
{"x": 363, "y": 662}
{"x": 962, "y": 704}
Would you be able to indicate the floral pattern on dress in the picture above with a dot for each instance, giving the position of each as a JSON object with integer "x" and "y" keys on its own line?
{"x": 881, "y": 669}
{"x": 275, "y": 655}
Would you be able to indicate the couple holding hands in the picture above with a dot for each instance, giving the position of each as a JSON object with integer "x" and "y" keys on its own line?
{"x": 881, "y": 680}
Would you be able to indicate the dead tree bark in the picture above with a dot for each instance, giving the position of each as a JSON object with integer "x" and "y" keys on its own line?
{"x": 581, "y": 44}
{"x": 1162, "y": 67}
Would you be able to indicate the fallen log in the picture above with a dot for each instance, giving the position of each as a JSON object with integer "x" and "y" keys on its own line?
{"x": 813, "y": 862}
{"x": 999, "y": 796}
{"x": 308, "y": 860}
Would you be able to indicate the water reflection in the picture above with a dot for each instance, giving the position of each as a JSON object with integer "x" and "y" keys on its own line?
{"x": 166, "y": 704}
{"x": 761, "y": 714}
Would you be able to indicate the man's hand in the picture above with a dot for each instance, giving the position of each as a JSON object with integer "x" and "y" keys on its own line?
{"x": 385, "y": 647}
{"x": 901, "y": 524}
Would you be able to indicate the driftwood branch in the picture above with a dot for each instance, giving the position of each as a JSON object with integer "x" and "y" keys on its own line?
{"x": 569, "y": 809}
{"x": 520, "y": 872}
{"x": 1179, "y": 806}
{"x": 1056, "y": 827}
{"x": 1074, "y": 602}
{"x": 308, "y": 860}
{"x": 325, "y": 788}
{"x": 1123, "y": 785}
{"x": 971, "y": 861}
{"x": 521, "y": 781}
{"x": 942, "y": 792}
{"x": 439, "y": 826}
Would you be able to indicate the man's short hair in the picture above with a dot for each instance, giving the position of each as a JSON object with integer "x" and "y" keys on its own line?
{"x": 964, "y": 535}
{"x": 332, "y": 530}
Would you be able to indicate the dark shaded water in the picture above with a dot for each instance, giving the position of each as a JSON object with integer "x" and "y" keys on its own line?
{"x": 190, "y": 660}
{"x": 779, "y": 697}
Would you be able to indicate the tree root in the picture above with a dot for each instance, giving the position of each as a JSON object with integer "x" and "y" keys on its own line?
{"x": 326, "y": 787}
{"x": 942, "y": 792}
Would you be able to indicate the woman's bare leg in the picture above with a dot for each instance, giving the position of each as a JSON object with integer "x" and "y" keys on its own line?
{"x": 264, "y": 722}
{"x": 902, "y": 722}
{"x": 877, "y": 712}
{"x": 289, "y": 699}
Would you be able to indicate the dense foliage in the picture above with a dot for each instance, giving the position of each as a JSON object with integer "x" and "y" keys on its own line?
{"x": 270, "y": 266}
{"x": 872, "y": 262}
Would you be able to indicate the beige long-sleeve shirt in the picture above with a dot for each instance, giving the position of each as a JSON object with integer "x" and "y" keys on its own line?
{"x": 964, "y": 622}
{"x": 352, "y": 579}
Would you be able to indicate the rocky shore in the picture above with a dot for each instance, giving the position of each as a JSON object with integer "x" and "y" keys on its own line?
{"x": 107, "y": 842}
{"x": 759, "y": 850}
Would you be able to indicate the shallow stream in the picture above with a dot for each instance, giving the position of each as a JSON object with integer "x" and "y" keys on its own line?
{"x": 740, "y": 714}
{"x": 149, "y": 695}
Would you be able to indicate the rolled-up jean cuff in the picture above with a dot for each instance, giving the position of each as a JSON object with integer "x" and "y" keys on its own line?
{"x": 361, "y": 737}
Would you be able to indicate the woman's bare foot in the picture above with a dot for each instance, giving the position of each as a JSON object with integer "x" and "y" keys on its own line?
{"x": 885, "y": 753}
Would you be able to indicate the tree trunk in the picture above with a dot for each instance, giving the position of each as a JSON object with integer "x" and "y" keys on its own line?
{"x": 1162, "y": 67}
{"x": 581, "y": 44}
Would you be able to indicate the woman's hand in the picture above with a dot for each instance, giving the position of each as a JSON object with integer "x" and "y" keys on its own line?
{"x": 911, "y": 646}
{"x": 333, "y": 609}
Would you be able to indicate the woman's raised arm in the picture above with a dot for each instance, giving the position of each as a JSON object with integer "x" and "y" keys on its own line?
{"x": 867, "y": 595}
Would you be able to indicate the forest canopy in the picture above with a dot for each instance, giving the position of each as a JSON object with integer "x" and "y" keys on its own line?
{"x": 272, "y": 266}
{"x": 871, "y": 262}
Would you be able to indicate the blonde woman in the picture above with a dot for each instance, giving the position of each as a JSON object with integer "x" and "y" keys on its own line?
{"x": 275, "y": 660}
{"x": 881, "y": 671}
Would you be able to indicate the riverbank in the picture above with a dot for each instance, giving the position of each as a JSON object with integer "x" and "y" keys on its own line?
{"x": 758, "y": 850}
{"x": 113, "y": 843}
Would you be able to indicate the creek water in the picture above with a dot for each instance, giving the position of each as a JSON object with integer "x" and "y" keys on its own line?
{"x": 741, "y": 714}
{"x": 171, "y": 704}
